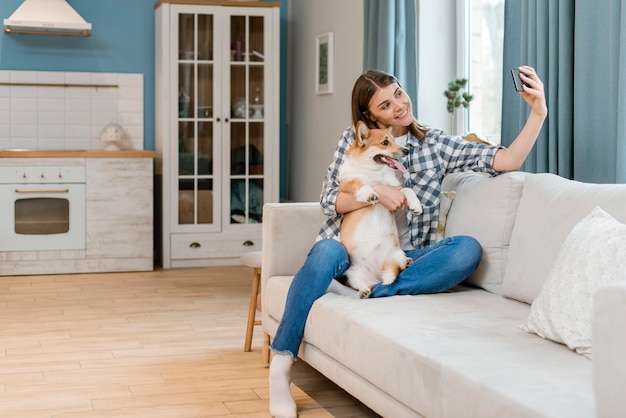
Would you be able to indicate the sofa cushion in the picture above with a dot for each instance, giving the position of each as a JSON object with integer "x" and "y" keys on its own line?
{"x": 550, "y": 207}
{"x": 451, "y": 354}
{"x": 485, "y": 208}
{"x": 593, "y": 255}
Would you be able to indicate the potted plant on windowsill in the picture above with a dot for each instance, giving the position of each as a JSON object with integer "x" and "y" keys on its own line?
{"x": 456, "y": 98}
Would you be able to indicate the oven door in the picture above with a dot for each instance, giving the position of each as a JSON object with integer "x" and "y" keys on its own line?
{"x": 42, "y": 217}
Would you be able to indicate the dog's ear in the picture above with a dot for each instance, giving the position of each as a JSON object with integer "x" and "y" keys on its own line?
{"x": 362, "y": 134}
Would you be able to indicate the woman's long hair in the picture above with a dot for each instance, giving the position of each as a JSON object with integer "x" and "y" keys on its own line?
{"x": 364, "y": 88}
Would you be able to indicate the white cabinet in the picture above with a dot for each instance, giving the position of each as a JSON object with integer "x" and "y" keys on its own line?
{"x": 217, "y": 126}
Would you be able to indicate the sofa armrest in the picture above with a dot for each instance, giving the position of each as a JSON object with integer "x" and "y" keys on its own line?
{"x": 289, "y": 232}
{"x": 609, "y": 346}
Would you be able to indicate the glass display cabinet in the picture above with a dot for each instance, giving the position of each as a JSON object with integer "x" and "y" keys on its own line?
{"x": 217, "y": 115}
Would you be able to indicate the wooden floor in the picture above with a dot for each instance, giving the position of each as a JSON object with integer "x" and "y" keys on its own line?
{"x": 152, "y": 344}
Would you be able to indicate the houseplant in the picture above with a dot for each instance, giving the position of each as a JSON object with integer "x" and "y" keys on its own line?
{"x": 456, "y": 97}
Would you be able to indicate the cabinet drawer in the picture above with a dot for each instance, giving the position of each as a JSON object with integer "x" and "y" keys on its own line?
{"x": 189, "y": 246}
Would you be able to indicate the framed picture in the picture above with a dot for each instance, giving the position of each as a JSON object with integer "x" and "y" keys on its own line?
{"x": 324, "y": 60}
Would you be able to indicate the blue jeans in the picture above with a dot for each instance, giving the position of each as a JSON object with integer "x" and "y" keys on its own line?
{"x": 435, "y": 269}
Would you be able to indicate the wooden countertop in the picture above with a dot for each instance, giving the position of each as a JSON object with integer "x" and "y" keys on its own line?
{"x": 33, "y": 153}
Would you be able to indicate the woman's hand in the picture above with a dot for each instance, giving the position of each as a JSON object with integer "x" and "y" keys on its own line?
{"x": 532, "y": 90}
{"x": 512, "y": 158}
{"x": 390, "y": 196}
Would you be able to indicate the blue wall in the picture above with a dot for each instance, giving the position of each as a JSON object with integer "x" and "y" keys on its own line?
{"x": 121, "y": 41}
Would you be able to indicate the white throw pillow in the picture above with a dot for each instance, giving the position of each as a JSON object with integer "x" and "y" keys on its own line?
{"x": 592, "y": 255}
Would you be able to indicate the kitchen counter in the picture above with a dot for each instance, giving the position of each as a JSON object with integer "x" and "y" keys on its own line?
{"x": 34, "y": 153}
{"x": 113, "y": 196}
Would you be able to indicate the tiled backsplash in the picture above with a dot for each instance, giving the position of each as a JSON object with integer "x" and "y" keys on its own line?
{"x": 67, "y": 111}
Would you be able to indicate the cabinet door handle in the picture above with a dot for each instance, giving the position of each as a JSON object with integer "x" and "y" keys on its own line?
{"x": 42, "y": 191}
{"x": 195, "y": 245}
{"x": 248, "y": 243}
{"x": 225, "y": 119}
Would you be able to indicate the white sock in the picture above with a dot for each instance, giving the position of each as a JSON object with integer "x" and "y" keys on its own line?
{"x": 336, "y": 287}
{"x": 282, "y": 404}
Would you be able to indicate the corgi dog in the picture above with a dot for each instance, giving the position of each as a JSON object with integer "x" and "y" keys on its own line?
{"x": 370, "y": 234}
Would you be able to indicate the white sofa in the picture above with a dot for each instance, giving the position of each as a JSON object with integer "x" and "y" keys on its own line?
{"x": 463, "y": 353}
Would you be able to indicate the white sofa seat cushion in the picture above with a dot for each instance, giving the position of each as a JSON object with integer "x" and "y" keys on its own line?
{"x": 448, "y": 355}
{"x": 550, "y": 207}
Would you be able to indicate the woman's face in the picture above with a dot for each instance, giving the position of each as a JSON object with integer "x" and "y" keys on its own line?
{"x": 391, "y": 107}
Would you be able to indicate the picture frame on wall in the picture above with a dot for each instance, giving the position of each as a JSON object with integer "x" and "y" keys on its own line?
{"x": 324, "y": 61}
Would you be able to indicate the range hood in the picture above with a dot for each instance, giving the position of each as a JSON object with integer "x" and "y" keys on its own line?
{"x": 48, "y": 17}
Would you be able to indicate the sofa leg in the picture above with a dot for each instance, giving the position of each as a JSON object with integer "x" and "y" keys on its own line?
{"x": 266, "y": 350}
{"x": 256, "y": 279}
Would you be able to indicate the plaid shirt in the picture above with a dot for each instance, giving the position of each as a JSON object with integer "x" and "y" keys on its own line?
{"x": 427, "y": 164}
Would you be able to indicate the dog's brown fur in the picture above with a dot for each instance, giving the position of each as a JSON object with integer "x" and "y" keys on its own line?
{"x": 370, "y": 234}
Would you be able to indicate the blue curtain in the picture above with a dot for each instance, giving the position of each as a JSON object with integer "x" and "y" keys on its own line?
{"x": 579, "y": 50}
{"x": 390, "y": 31}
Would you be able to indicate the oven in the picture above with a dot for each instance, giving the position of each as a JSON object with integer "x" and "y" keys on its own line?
{"x": 42, "y": 208}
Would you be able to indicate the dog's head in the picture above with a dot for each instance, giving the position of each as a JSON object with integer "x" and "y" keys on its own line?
{"x": 378, "y": 145}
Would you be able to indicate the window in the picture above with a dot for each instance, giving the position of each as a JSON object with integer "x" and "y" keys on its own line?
{"x": 482, "y": 45}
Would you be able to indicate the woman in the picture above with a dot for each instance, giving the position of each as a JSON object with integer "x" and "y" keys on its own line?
{"x": 379, "y": 100}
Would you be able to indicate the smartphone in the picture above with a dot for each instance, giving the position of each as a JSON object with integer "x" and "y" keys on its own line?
{"x": 517, "y": 81}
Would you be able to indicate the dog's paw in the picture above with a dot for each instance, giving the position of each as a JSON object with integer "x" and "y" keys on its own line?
{"x": 367, "y": 194}
{"x": 365, "y": 293}
{"x": 414, "y": 204}
{"x": 373, "y": 198}
{"x": 407, "y": 262}
{"x": 416, "y": 208}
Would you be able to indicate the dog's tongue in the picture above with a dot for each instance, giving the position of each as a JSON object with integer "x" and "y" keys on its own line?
{"x": 393, "y": 163}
